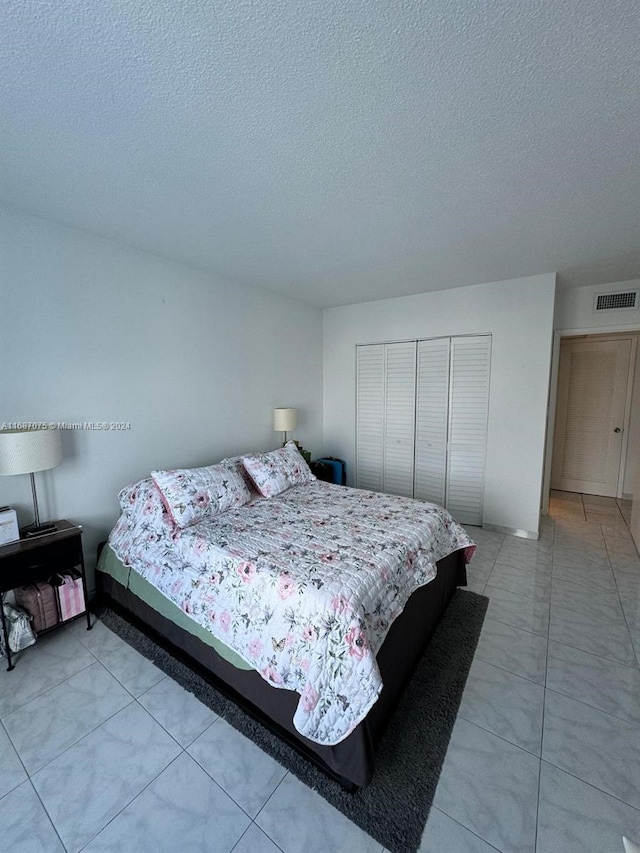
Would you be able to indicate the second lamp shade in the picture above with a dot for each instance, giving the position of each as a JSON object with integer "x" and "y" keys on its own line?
{"x": 285, "y": 420}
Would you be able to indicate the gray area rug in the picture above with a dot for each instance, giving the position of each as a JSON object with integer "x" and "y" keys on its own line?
{"x": 394, "y": 807}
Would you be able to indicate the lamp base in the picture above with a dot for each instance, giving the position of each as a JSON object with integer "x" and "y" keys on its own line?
{"x": 38, "y": 530}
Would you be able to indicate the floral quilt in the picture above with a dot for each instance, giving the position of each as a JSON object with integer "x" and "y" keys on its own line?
{"x": 304, "y": 586}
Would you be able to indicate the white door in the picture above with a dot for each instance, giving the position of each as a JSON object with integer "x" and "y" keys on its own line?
{"x": 399, "y": 418}
{"x": 386, "y": 398}
{"x": 370, "y": 417}
{"x": 432, "y": 419}
{"x": 468, "y": 422}
{"x": 592, "y": 395}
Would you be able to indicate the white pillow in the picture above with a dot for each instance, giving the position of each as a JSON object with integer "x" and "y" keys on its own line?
{"x": 143, "y": 502}
{"x": 630, "y": 847}
{"x": 235, "y": 462}
{"x": 194, "y": 494}
{"x": 278, "y": 470}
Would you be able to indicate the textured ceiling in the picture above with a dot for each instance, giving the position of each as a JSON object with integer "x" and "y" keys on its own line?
{"x": 333, "y": 151}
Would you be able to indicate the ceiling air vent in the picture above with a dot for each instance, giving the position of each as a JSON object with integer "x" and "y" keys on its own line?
{"x": 621, "y": 301}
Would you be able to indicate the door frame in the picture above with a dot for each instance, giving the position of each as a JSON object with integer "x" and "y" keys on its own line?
{"x": 558, "y": 335}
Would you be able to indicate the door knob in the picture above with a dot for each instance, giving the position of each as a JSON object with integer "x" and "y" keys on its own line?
{"x": 617, "y": 429}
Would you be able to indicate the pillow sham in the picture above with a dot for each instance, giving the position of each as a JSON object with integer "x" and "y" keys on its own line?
{"x": 194, "y": 494}
{"x": 144, "y": 522}
{"x": 142, "y": 501}
{"x": 278, "y": 470}
{"x": 235, "y": 462}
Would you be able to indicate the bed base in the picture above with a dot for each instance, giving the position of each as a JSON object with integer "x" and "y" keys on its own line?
{"x": 351, "y": 762}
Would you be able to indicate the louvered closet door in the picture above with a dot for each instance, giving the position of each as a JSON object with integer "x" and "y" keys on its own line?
{"x": 468, "y": 415}
{"x": 432, "y": 416}
{"x": 399, "y": 419}
{"x": 370, "y": 417}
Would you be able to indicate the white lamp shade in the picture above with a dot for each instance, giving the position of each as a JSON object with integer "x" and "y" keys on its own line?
{"x": 285, "y": 420}
{"x": 24, "y": 451}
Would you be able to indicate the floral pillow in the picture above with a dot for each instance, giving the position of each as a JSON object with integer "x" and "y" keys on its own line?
{"x": 278, "y": 470}
{"x": 235, "y": 462}
{"x": 193, "y": 494}
{"x": 142, "y": 501}
{"x": 144, "y": 519}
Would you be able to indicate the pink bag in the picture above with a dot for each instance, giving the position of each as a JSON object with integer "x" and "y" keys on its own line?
{"x": 70, "y": 595}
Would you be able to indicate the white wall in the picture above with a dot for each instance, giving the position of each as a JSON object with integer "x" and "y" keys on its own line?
{"x": 634, "y": 524}
{"x": 519, "y": 315}
{"x": 91, "y": 330}
{"x": 574, "y": 309}
{"x": 575, "y": 314}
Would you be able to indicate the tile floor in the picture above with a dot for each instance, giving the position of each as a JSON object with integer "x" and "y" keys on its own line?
{"x": 99, "y": 751}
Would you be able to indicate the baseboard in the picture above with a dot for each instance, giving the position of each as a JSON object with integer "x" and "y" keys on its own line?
{"x": 512, "y": 531}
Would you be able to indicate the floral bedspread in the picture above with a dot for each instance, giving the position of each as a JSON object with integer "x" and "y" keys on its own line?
{"x": 303, "y": 586}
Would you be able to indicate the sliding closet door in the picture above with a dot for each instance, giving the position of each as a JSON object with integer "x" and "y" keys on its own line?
{"x": 399, "y": 418}
{"x": 468, "y": 415}
{"x": 432, "y": 418}
{"x": 370, "y": 370}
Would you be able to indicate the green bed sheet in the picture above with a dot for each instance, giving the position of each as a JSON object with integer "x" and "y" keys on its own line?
{"x": 130, "y": 579}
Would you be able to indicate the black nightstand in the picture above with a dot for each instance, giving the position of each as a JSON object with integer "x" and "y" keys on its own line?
{"x": 35, "y": 560}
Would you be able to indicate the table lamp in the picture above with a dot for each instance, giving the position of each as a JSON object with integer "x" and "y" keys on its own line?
{"x": 26, "y": 451}
{"x": 285, "y": 420}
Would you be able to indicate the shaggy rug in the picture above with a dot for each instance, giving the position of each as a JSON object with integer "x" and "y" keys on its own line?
{"x": 394, "y": 807}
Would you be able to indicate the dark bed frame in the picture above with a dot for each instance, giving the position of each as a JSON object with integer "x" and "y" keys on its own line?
{"x": 352, "y": 761}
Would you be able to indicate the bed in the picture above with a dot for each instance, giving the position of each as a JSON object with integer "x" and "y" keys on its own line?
{"x": 308, "y": 603}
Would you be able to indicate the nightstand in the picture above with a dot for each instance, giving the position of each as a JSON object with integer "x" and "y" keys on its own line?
{"x": 36, "y": 559}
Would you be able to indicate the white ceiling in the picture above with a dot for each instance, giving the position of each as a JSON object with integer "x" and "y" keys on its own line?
{"x": 333, "y": 150}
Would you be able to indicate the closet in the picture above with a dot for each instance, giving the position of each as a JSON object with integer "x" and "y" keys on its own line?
{"x": 421, "y": 421}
